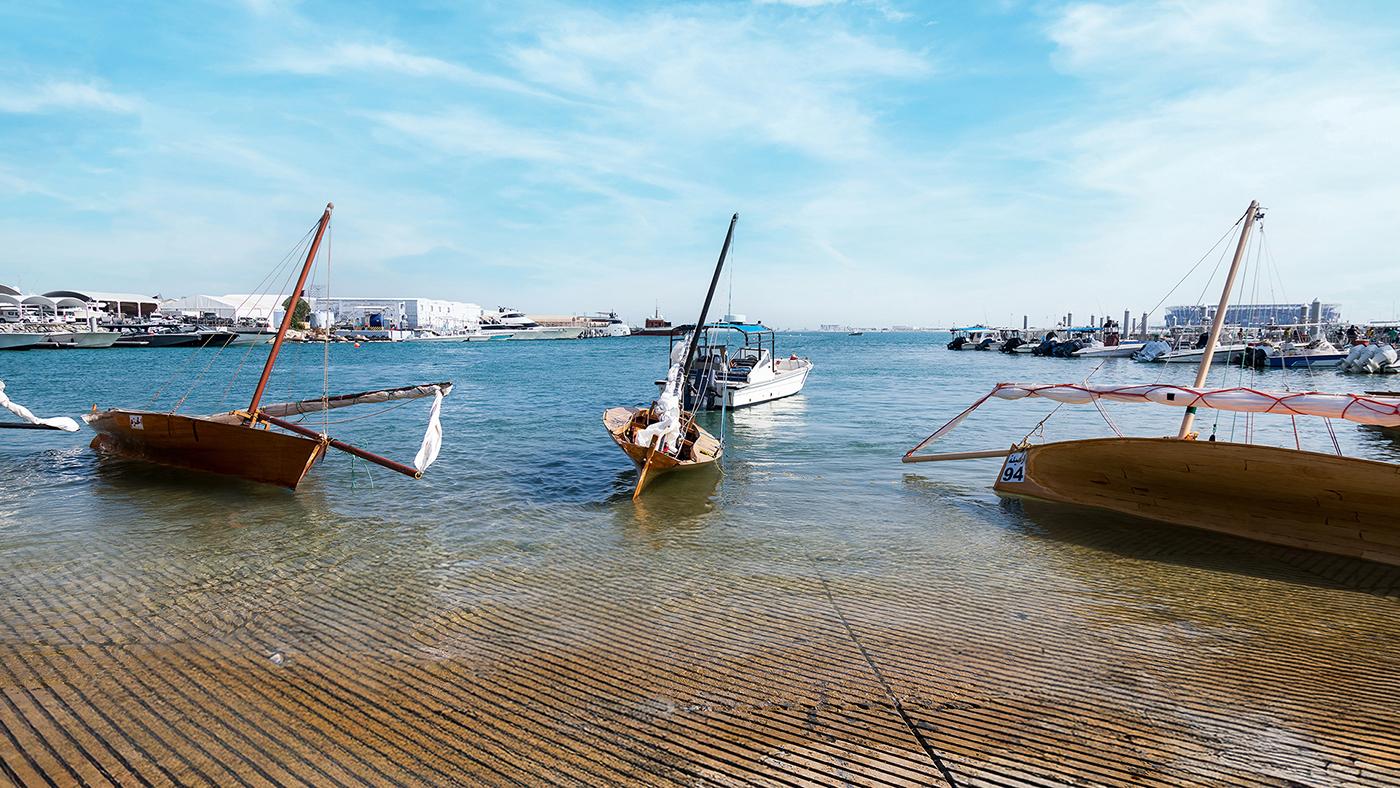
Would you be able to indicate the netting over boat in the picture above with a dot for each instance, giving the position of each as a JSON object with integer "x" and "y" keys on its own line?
{"x": 1360, "y": 408}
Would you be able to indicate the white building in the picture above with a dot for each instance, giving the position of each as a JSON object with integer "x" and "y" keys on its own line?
{"x": 401, "y": 313}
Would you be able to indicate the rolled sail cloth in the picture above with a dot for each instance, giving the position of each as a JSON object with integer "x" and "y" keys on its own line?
{"x": 58, "y": 423}
{"x": 359, "y": 398}
{"x": 1360, "y": 408}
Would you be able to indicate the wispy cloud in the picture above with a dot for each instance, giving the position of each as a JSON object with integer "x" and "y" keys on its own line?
{"x": 382, "y": 58}
{"x": 60, "y": 96}
{"x": 706, "y": 75}
{"x": 1187, "y": 33}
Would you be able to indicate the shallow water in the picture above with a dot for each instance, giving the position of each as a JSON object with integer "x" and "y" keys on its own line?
{"x": 515, "y": 617}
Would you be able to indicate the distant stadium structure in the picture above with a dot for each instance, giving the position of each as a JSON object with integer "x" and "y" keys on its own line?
{"x": 1255, "y": 315}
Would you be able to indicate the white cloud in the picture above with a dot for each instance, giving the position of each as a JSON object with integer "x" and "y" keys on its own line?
{"x": 794, "y": 84}
{"x": 383, "y": 58}
{"x": 60, "y": 96}
{"x": 1183, "y": 32}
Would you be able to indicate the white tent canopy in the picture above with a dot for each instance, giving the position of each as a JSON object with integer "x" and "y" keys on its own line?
{"x": 115, "y": 303}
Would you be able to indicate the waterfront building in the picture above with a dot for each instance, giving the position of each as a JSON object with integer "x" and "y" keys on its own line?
{"x": 401, "y": 313}
{"x": 1255, "y": 315}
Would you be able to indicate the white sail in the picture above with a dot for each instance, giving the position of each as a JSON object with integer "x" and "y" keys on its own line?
{"x": 1359, "y": 408}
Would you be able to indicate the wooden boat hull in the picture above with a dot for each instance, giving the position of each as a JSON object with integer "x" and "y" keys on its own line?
{"x": 212, "y": 444}
{"x": 1310, "y": 500}
{"x": 703, "y": 449}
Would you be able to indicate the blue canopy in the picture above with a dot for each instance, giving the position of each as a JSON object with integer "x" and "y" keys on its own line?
{"x": 973, "y": 328}
{"x": 744, "y": 327}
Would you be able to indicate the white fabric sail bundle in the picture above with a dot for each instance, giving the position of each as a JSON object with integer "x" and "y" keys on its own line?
{"x": 432, "y": 438}
{"x": 667, "y": 410}
{"x": 1359, "y": 408}
{"x": 58, "y": 422}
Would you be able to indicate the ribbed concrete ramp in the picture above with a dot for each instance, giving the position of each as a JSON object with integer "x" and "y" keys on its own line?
{"x": 1083, "y": 656}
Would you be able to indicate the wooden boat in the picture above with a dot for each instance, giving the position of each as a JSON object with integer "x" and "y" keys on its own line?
{"x": 241, "y": 443}
{"x": 664, "y": 437}
{"x": 1324, "y": 502}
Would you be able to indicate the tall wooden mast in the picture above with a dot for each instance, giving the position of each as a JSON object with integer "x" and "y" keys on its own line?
{"x": 705, "y": 310}
{"x": 291, "y": 310}
{"x": 1219, "y": 322}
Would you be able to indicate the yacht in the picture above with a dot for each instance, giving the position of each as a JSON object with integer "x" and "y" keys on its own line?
{"x": 512, "y": 324}
{"x": 608, "y": 324}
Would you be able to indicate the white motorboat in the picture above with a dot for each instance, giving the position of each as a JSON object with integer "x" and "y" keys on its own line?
{"x": 979, "y": 338}
{"x": 743, "y": 375}
{"x": 81, "y": 339}
{"x": 1287, "y": 355}
{"x": 21, "y": 339}
{"x": 1101, "y": 350}
{"x": 1224, "y": 354}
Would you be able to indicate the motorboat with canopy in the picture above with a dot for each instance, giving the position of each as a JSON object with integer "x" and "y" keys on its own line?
{"x": 727, "y": 376}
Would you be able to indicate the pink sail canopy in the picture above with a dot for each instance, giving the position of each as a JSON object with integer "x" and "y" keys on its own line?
{"x": 1360, "y": 408}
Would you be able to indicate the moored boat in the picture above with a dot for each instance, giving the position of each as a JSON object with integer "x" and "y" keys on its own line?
{"x": 240, "y": 443}
{"x": 748, "y": 374}
{"x": 1329, "y": 503}
{"x": 664, "y": 438}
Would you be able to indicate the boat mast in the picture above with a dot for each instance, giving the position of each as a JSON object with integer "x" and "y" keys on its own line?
{"x": 1219, "y": 322}
{"x": 705, "y": 310}
{"x": 291, "y": 310}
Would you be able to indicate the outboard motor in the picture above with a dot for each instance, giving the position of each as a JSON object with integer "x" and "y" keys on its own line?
{"x": 1045, "y": 348}
{"x": 1010, "y": 345}
{"x": 986, "y": 344}
{"x": 1256, "y": 357}
{"x": 957, "y": 343}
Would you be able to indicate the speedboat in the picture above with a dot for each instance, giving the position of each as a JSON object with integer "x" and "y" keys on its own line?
{"x": 977, "y": 338}
{"x": 747, "y": 374}
{"x": 1099, "y": 349}
{"x": 1224, "y": 354}
{"x": 21, "y": 339}
{"x": 1318, "y": 353}
{"x": 175, "y": 336}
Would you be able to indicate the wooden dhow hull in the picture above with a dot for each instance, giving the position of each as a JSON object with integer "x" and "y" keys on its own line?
{"x": 702, "y": 449}
{"x": 1309, "y": 500}
{"x": 215, "y": 444}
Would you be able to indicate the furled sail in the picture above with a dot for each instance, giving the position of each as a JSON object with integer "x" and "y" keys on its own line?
{"x": 360, "y": 398}
{"x": 1360, "y": 408}
{"x": 57, "y": 423}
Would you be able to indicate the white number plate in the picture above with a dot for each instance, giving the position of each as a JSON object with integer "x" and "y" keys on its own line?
{"x": 1014, "y": 471}
{"x": 136, "y": 422}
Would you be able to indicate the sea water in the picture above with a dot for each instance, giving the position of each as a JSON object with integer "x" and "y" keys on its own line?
{"x": 522, "y": 546}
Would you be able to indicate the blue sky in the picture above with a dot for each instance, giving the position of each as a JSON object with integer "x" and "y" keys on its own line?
{"x": 892, "y": 162}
